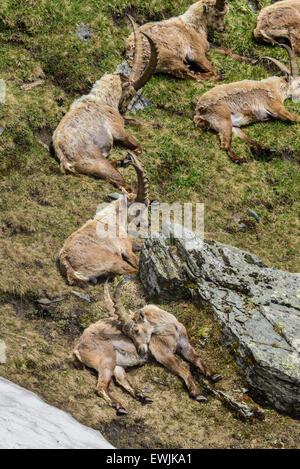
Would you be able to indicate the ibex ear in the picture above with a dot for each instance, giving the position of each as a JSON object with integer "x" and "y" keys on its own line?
{"x": 287, "y": 76}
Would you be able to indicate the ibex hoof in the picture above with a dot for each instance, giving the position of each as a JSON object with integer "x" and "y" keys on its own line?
{"x": 121, "y": 412}
{"x": 216, "y": 377}
{"x": 144, "y": 399}
{"x": 201, "y": 398}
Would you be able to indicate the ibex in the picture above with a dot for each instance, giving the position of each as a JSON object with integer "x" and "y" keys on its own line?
{"x": 93, "y": 252}
{"x": 225, "y": 108}
{"x": 182, "y": 41}
{"x": 111, "y": 345}
{"x": 278, "y": 22}
{"x": 85, "y": 136}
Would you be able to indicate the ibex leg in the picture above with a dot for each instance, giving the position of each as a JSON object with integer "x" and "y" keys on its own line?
{"x": 103, "y": 360}
{"x": 278, "y": 111}
{"x": 161, "y": 348}
{"x": 121, "y": 378}
{"x": 219, "y": 119}
{"x": 186, "y": 350}
{"x": 128, "y": 141}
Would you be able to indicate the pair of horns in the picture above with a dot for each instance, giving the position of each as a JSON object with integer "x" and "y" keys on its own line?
{"x": 115, "y": 306}
{"x": 294, "y": 72}
{"x": 137, "y": 77}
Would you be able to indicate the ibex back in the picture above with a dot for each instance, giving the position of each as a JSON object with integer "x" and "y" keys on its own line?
{"x": 226, "y": 108}
{"x": 182, "y": 41}
{"x": 86, "y": 134}
{"x": 278, "y": 22}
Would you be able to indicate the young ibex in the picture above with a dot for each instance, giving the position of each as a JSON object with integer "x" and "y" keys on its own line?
{"x": 102, "y": 247}
{"x": 85, "y": 136}
{"x": 225, "y": 108}
{"x": 111, "y": 345}
{"x": 278, "y": 22}
{"x": 182, "y": 41}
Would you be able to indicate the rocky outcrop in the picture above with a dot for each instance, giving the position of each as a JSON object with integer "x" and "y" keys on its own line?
{"x": 26, "y": 422}
{"x": 257, "y": 307}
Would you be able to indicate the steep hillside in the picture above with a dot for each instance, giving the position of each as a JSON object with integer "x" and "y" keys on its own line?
{"x": 40, "y": 208}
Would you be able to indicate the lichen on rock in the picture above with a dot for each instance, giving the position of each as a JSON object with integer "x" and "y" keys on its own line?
{"x": 229, "y": 280}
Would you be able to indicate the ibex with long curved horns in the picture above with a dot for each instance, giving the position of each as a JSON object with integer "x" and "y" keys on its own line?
{"x": 85, "y": 136}
{"x": 182, "y": 41}
{"x": 280, "y": 21}
{"x": 102, "y": 247}
{"x": 111, "y": 345}
{"x": 226, "y": 108}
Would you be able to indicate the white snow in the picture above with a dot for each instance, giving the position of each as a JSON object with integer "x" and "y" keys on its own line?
{"x": 27, "y": 422}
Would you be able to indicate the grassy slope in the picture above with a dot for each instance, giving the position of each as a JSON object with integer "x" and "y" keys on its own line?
{"x": 40, "y": 207}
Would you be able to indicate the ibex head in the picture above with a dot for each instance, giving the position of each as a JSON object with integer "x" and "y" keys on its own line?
{"x": 292, "y": 74}
{"x": 133, "y": 324}
{"x": 215, "y": 12}
{"x": 138, "y": 78}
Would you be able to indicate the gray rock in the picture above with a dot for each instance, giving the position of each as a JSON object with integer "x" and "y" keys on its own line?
{"x": 257, "y": 307}
{"x": 1, "y": 131}
{"x": 83, "y": 33}
{"x": 124, "y": 68}
{"x": 82, "y": 296}
{"x": 2, "y": 352}
{"x": 139, "y": 102}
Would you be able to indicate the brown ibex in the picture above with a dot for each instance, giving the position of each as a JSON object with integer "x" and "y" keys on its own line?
{"x": 111, "y": 345}
{"x": 86, "y": 134}
{"x": 278, "y": 22}
{"x": 102, "y": 247}
{"x": 182, "y": 41}
{"x": 226, "y": 108}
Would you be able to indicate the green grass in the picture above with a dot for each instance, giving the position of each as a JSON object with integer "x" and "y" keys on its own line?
{"x": 40, "y": 207}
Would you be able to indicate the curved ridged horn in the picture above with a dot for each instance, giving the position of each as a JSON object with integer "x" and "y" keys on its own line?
{"x": 151, "y": 67}
{"x": 143, "y": 182}
{"x": 138, "y": 52}
{"x": 220, "y": 5}
{"x": 283, "y": 68}
{"x": 108, "y": 301}
{"x": 124, "y": 318}
{"x": 292, "y": 56}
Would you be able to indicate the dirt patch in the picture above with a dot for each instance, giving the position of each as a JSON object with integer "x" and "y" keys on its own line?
{"x": 126, "y": 435}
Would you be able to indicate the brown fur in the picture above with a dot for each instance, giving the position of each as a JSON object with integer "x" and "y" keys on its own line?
{"x": 86, "y": 134}
{"x": 182, "y": 41}
{"x": 105, "y": 348}
{"x": 225, "y": 108}
{"x": 93, "y": 251}
{"x": 86, "y": 257}
{"x": 280, "y": 21}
